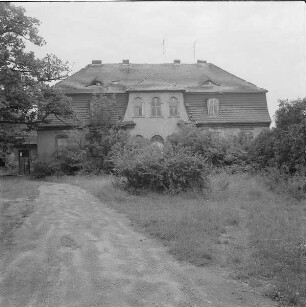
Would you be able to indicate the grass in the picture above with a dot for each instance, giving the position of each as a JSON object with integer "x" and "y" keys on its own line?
{"x": 241, "y": 226}
{"x": 16, "y": 195}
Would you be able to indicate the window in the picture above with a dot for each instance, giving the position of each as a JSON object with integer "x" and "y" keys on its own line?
{"x": 173, "y": 107}
{"x": 212, "y": 107}
{"x": 157, "y": 140}
{"x": 209, "y": 82}
{"x": 61, "y": 144}
{"x": 138, "y": 107}
{"x": 156, "y": 107}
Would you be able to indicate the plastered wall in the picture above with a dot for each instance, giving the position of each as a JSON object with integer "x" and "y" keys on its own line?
{"x": 148, "y": 126}
{"x": 46, "y": 143}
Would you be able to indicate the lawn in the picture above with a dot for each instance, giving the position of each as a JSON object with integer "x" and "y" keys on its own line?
{"x": 239, "y": 225}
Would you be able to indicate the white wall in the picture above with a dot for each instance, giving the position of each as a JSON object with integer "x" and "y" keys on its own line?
{"x": 148, "y": 126}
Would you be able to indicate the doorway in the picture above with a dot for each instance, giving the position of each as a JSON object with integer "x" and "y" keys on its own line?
{"x": 24, "y": 162}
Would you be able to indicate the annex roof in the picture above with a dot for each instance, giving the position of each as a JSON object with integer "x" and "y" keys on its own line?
{"x": 120, "y": 78}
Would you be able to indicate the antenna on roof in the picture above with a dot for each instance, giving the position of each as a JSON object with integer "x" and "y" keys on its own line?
{"x": 164, "y": 48}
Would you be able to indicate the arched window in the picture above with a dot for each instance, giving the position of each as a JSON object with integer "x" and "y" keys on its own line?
{"x": 156, "y": 107}
{"x": 212, "y": 107}
{"x": 157, "y": 140}
{"x": 173, "y": 107}
{"x": 138, "y": 107}
{"x": 61, "y": 144}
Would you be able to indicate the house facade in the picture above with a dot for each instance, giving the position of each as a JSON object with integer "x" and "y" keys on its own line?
{"x": 154, "y": 100}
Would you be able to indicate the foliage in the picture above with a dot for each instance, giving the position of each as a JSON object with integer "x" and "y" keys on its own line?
{"x": 213, "y": 149}
{"x": 103, "y": 131}
{"x": 290, "y": 112}
{"x": 262, "y": 151}
{"x": 89, "y": 146}
{"x": 145, "y": 166}
{"x": 200, "y": 142}
{"x": 7, "y": 142}
{"x": 25, "y": 94}
{"x": 42, "y": 169}
{"x": 286, "y": 184}
{"x": 284, "y": 146}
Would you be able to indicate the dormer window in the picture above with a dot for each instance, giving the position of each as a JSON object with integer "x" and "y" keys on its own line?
{"x": 156, "y": 107}
{"x": 97, "y": 82}
{"x": 138, "y": 107}
{"x": 173, "y": 106}
{"x": 213, "y": 107}
{"x": 209, "y": 83}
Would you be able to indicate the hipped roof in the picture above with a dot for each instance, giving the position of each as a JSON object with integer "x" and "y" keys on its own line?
{"x": 119, "y": 78}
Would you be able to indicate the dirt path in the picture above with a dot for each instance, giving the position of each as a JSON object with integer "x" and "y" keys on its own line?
{"x": 74, "y": 251}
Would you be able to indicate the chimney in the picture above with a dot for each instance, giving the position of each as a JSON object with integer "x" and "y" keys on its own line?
{"x": 201, "y": 62}
{"x": 177, "y": 61}
{"x": 126, "y": 62}
{"x": 95, "y": 62}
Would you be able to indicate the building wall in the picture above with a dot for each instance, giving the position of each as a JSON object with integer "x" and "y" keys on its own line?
{"x": 239, "y": 108}
{"x": 228, "y": 131}
{"x": 148, "y": 126}
{"x": 46, "y": 143}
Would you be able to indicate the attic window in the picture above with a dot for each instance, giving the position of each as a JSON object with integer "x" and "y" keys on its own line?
{"x": 213, "y": 107}
{"x": 209, "y": 82}
{"x": 98, "y": 83}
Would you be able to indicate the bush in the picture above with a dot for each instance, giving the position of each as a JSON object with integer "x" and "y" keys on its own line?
{"x": 199, "y": 142}
{"x": 284, "y": 146}
{"x": 213, "y": 149}
{"x": 282, "y": 182}
{"x": 42, "y": 169}
{"x": 144, "y": 166}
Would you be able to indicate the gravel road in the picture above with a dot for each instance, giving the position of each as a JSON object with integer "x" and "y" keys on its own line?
{"x": 73, "y": 251}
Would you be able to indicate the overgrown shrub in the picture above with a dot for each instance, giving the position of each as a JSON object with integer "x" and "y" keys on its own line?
{"x": 282, "y": 182}
{"x": 199, "y": 142}
{"x": 144, "y": 166}
{"x": 283, "y": 147}
{"x": 42, "y": 169}
{"x": 214, "y": 149}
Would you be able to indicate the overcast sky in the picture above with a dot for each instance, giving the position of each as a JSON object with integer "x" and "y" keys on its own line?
{"x": 261, "y": 42}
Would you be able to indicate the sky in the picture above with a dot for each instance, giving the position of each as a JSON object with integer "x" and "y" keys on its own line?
{"x": 261, "y": 42}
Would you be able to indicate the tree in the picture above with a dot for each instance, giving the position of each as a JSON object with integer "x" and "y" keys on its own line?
{"x": 26, "y": 97}
{"x": 104, "y": 128}
{"x": 285, "y": 145}
{"x": 291, "y": 112}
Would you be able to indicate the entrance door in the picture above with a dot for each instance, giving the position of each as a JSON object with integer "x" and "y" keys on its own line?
{"x": 24, "y": 162}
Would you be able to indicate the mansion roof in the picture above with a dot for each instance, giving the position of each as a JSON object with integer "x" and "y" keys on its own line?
{"x": 119, "y": 78}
